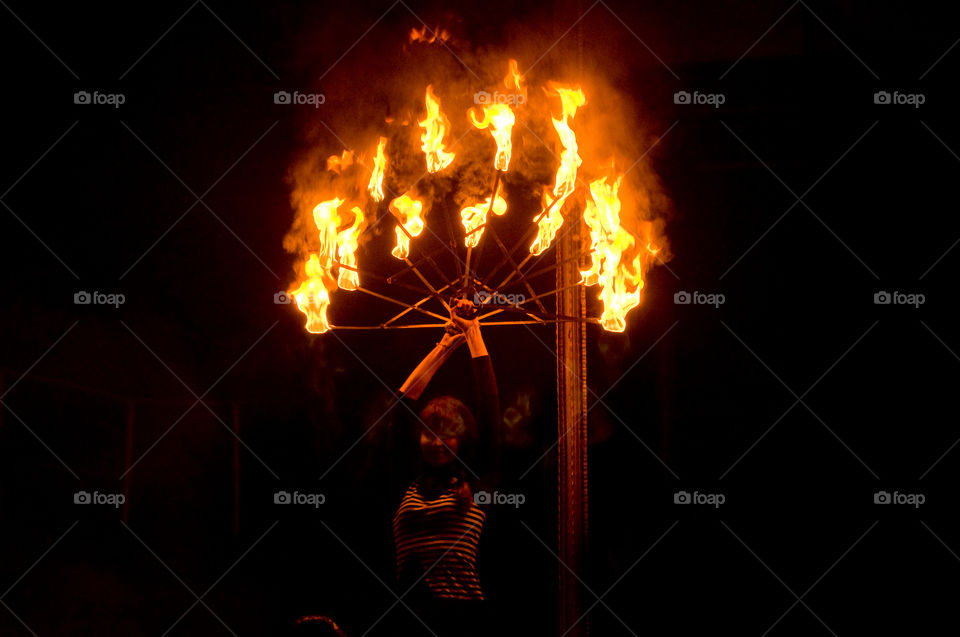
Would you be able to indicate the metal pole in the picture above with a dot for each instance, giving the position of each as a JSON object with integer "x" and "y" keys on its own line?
{"x": 572, "y": 432}
{"x": 572, "y": 412}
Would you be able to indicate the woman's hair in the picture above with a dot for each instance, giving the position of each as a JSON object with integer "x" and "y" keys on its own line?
{"x": 448, "y": 417}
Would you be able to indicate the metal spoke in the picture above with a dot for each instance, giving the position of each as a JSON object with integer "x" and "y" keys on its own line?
{"x": 527, "y": 236}
{"x": 407, "y": 305}
{"x": 416, "y": 306}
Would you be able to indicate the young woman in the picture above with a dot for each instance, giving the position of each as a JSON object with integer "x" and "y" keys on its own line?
{"x": 438, "y": 525}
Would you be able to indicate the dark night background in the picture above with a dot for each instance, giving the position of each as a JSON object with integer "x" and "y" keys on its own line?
{"x": 692, "y": 388}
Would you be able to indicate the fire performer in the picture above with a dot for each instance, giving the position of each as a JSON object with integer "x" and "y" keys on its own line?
{"x": 438, "y": 524}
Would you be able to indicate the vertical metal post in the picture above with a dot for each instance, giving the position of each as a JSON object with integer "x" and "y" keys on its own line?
{"x": 127, "y": 461}
{"x": 572, "y": 432}
{"x": 572, "y": 395}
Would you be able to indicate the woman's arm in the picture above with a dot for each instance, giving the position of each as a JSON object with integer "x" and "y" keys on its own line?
{"x": 402, "y": 445}
{"x": 488, "y": 402}
{"x": 420, "y": 377}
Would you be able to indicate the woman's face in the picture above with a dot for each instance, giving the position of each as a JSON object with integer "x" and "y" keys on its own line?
{"x": 437, "y": 451}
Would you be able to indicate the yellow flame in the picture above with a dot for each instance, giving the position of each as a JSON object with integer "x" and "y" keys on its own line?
{"x": 514, "y": 80}
{"x": 435, "y": 126}
{"x": 566, "y": 182}
{"x": 475, "y": 216}
{"x": 499, "y": 118}
{"x": 312, "y": 297}
{"x": 408, "y": 212}
{"x": 325, "y": 218}
{"x": 375, "y": 187}
{"x": 620, "y": 280}
{"x": 338, "y": 243}
{"x": 346, "y": 250}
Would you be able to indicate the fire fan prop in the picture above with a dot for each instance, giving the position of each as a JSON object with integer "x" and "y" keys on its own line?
{"x": 432, "y": 261}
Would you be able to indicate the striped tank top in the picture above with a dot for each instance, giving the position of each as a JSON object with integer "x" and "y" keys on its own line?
{"x": 439, "y": 537}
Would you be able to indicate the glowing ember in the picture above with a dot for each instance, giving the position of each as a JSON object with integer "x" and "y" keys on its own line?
{"x": 375, "y": 187}
{"x": 566, "y": 182}
{"x": 475, "y": 216}
{"x": 499, "y": 118}
{"x": 435, "y": 126}
{"x": 408, "y": 212}
{"x": 427, "y": 36}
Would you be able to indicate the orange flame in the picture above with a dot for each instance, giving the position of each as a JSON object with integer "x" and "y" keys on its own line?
{"x": 514, "y": 80}
{"x": 336, "y": 244}
{"x": 312, "y": 297}
{"x": 408, "y": 212}
{"x": 475, "y": 216}
{"x": 435, "y": 126}
{"x": 499, "y": 118}
{"x": 338, "y": 164}
{"x": 424, "y": 35}
{"x": 566, "y": 182}
{"x": 346, "y": 249}
{"x": 325, "y": 218}
{"x": 375, "y": 187}
{"x": 620, "y": 280}
{"x": 621, "y": 251}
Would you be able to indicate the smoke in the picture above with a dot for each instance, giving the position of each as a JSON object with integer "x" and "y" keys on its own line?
{"x": 378, "y": 90}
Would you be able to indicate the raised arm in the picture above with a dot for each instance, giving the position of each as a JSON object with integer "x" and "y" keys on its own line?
{"x": 487, "y": 400}
{"x": 402, "y": 447}
{"x": 420, "y": 377}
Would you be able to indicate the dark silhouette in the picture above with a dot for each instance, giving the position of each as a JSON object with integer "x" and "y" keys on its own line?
{"x": 438, "y": 525}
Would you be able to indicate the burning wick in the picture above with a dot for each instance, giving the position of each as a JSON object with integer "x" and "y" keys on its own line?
{"x": 337, "y": 245}
{"x": 408, "y": 212}
{"x": 550, "y": 219}
{"x": 499, "y": 118}
{"x": 434, "y": 126}
{"x": 620, "y": 281}
{"x": 475, "y": 217}
{"x": 375, "y": 187}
